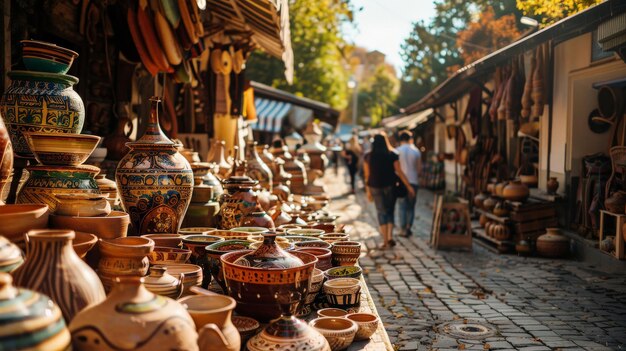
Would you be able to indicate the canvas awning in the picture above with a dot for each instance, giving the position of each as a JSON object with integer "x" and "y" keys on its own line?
{"x": 408, "y": 122}
{"x": 270, "y": 115}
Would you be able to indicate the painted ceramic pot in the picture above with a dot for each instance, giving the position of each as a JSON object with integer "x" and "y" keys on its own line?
{"x": 31, "y": 321}
{"x": 11, "y": 256}
{"x": 216, "y": 250}
{"x": 154, "y": 180}
{"x": 42, "y": 56}
{"x": 246, "y": 326}
{"x": 165, "y": 240}
{"x": 238, "y": 201}
{"x": 343, "y": 272}
{"x": 82, "y": 205}
{"x": 339, "y": 332}
{"x": 344, "y": 293}
{"x": 258, "y": 219}
{"x": 288, "y": 333}
{"x": 257, "y": 290}
{"x": 367, "y": 324}
{"x": 192, "y": 275}
{"x": 552, "y": 185}
{"x": 45, "y": 182}
{"x": 515, "y": 191}
{"x": 334, "y": 237}
{"x": 346, "y": 253}
{"x": 313, "y": 243}
{"x": 323, "y": 257}
{"x": 127, "y": 256}
{"x": 108, "y": 186}
{"x": 553, "y": 244}
{"x": 133, "y": 318}
{"x": 162, "y": 283}
{"x": 197, "y": 244}
{"x": 165, "y": 255}
{"x": 61, "y": 149}
{"x": 257, "y": 169}
{"x": 114, "y": 225}
{"x": 269, "y": 255}
{"x": 18, "y": 219}
{"x": 52, "y": 267}
{"x": 316, "y": 285}
{"x": 6, "y": 157}
{"x": 40, "y": 102}
{"x": 212, "y": 316}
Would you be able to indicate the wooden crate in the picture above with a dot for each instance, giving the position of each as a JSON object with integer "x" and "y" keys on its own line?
{"x": 620, "y": 219}
{"x": 443, "y": 240}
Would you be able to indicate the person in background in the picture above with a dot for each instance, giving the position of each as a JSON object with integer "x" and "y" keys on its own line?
{"x": 381, "y": 167}
{"x": 411, "y": 164}
{"x": 351, "y": 154}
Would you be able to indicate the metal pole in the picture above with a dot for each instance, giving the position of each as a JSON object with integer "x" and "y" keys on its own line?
{"x": 355, "y": 98}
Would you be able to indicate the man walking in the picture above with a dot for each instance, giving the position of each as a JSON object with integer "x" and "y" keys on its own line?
{"x": 410, "y": 162}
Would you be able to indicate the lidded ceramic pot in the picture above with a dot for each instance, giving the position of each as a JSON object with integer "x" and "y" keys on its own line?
{"x": 257, "y": 169}
{"x": 52, "y": 267}
{"x": 10, "y": 256}
{"x": 237, "y": 202}
{"x": 30, "y": 321}
{"x": 162, "y": 283}
{"x": 269, "y": 255}
{"x": 154, "y": 180}
{"x": 133, "y": 318}
{"x": 288, "y": 333}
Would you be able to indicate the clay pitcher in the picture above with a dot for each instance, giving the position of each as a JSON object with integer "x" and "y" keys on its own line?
{"x": 6, "y": 158}
{"x": 212, "y": 316}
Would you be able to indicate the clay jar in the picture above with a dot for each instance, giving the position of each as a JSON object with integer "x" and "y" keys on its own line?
{"x": 479, "y": 199}
{"x": 258, "y": 218}
{"x": 54, "y": 269}
{"x": 552, "y": 185}
{"x": 346, "y": 253}
{"x": 162, "y": 283}
{"x": 489, "y": 204}
{"x": 127, "y": 256}
{"x": 154, "y": 180}
{"x": 515, "y": 191}
{"x": 133, "y": 318}
{"x": 212, "y": 316}
{"x": 269, "y": 255}
{"x": 257, "y": 169}
{"x": 553, "y": 244}
{"x": 615, "y": 203}
{"x": 288, "y": 333}
{"x": 239, "y": 201}
{"x": 197, "y": 244}
{"x": 30, "y": 321}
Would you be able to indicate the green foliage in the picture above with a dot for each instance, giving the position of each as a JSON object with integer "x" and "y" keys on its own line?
{"x": 550, "y": 11}
{"x": 318, "y": 46}
{"x": 378, "y": 94}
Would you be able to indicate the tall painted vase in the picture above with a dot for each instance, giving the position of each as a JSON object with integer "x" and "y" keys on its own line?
{"x": 154, "y": 180}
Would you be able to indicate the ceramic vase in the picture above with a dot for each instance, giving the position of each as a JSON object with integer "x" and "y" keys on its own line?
{"x": 552, "y": 185}
{"x": 294, "y": 167}
{"x": 6, "y": 158}
{"x": 258, "y": 218}
{"x": 257, "y": 169}
{"x": 133, "y": 318}
{"x": 154, "y": 181}
{"x": 288, "y": 333}
{"x": 30, "y": 321}
{"x": 52, "y": 267}
{"x": 126, "y": 256}
{"x": 40, "y": 102}
{"x": 553, "y": 244}
{"x": 216, "y": 155}
{"x": 238, "y": 201}
{"x": 515, "y": 191}
{"x": 212, "y": 316}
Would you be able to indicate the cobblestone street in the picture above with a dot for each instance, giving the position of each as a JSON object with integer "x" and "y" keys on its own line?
{"x": 517, "y": 303}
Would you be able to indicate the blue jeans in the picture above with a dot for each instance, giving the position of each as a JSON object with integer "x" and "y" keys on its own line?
{"x": 385, "y": 202}
{"x": 407, "y": 209}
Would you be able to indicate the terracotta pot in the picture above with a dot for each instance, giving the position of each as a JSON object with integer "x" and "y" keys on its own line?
{"x": 45, "y": 182}
{"x": 166, "y": 255}
{"x": 197, "y": 244}
{"x": 196, "y": 230}
{"x": 553, "y": 244}
{"x": 40, "y": 102}
{"x": 483, "y": 220}
{"x": 133, "y": 318}
{"x": 367, "y": 324}
{"x": 212, "y": 316}
{"x": 116, "y": 142}
{"x": 6, "y": 157}
{"x": 52, "y": 267}
{"x": 344, "y": 293}
{"x": 317, "y": 279}
{"x": 489, "y": 204}
{"x": 192, "y": 275}
{"x": 246, "y": 326}
{"x": 216, "y": 250}
{"x": 61, "y": 149}
{"x": 313, "y": 244}
{"x": 479, "y": 199}
{"x": 18, "y": 219}
{"x": 269, "y": 255}
{"x": 339, "y": 332}
{"x": 346, "y": 253}
{"x": 500, "y": 232}
{"x": 500, "y": 209}
{"x": 257, "y": 169}
{"x": 523, "y": 247}
{"x": 123, "y": 257}
{"x": 238, "y": 201}
{"x": 334, "y": 237}
{"x": 324, "y": 261}
{"x": 499, "y": 188}
{"x": 316, "y": 233}
{"x": 162, "y": 283}
{"x": 11, "y": 256}
{"x": 82, "y": 205}
{"x": 30, "y": 320}
{"x": 552, "y": 185}
{"x": 615, "y": 203}
{"x": 155, "y": 181}
{"x": 83, "y": 243}
{"x": 288, "y": 333}
{"x": 258, "y": 219}
{"x": 515, "y": 191}
{"x": 165, "y": 240}
{"x": 113, "y": 226}
{"x": 108, "y": 186}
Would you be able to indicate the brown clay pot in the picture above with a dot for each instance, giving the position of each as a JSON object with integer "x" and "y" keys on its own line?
{"x": 489, "y": 204}
{"x": 499, "y": 188}
{"x": 346, "y": 253}
{"x": 515, "y": 191}
{"x": 479, "y": 199}
{"x": 552, "y": 185}
{"x": 116, "y": 142}
{"x": 615, "y": 203}
{"x": 126, "y": 256}
{"x": 258, "y": 219}
{"x": 237, "y": 202}
{"x": 553, "y": 244}
{"x": 324, "y": 261}
{"x": 500, "y": 209}
{"x": 483, "y": 220}
{"x": 500, "y": 232}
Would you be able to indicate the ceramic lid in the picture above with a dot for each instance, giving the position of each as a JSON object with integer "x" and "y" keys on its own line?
{"x": 160, "y": 278}
{"x": 269, "y": 255}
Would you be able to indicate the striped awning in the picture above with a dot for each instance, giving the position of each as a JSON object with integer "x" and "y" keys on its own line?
{"x": 270, "y": 114}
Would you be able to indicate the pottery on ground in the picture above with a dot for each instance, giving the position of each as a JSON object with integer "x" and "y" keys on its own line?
{"x": 133, "y": 318}
{"x": 324, "y": 260}
{"x": 288, "y": 333}
{"x": 367, "y": 324}
{"x": 343, "y": 272}
{"x": 165, "y": 240}
{"x": 553, "y": 244}
{"x": 82, "y": 205}
{"x": 11, "y": 256}
{"x": 166, "y": 255}
{"x": 331, "y": 312}
{"x": 30, "y": 320}
{"x": 192, "y": 275}
{"x": 339, "y": 332}
{"x": 346, "y": 253}
{"x": 113, "y": 226}
{"x": 212, "y": 316}
{"x": 344, "y": 293}
{"x": 61, "y": 149}
{"x": 160, "y": 282}
{"x": 53, "y": 268}
{"x": 126, "y": 256}
{"x": 154, "y": 180}
{"x": 18, "y": 219}
{"x": 216, "y": 250}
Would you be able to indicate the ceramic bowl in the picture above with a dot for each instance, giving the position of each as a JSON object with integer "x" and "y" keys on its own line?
{"x": 256, "y": 289}
{"x": 313, "y": 243}
{"x": 83, "y": 242}
{"x": 283, "y": 245}
{"x": 367, "y": 324}
{"x": 259, "y": 238}
{"x": 203, "y": 308}
{"x": 346, "y": 253}
{"x": 216, "y": 250}
{"x": 166, "y": 255}
{"x": 196, "y": 230}
{"x": 230, "y": 234}
{"x": 165, "y": 240}
{"x": 332, "y": 312}
{"x": 46, "y": 57}
{"x": 316, "y": 285}
{"x": 299, "y": 238}
{"x": 343, "y": 272}
{"x": 192, "y": 275}
{"x": 306, "y": 232}
{"x": 285, "y": 227}
{"x": 339, "y": 332}
{"x": 82, "y": 205}
{"x": 63, "y": 149}
{"x": 323, "y": 256}
{"x": 251, "y": 230}
{"x": 16, "y": 220}
{"x": 334, "y": 237}
{"x": 246, "y": 326}
{"x": 344, "y": 293}
{"x": 115, "y": 225}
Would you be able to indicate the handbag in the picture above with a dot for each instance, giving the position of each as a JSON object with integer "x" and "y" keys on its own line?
{"x": 399, "y": 189}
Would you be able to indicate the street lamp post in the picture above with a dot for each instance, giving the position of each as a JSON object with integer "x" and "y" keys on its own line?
{"x": 352, "y": 84}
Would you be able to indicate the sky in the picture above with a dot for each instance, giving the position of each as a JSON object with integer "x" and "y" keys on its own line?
{"x": 384, "y": 24}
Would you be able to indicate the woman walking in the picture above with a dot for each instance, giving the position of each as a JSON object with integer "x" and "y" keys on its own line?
{"x": 351, "y": 155}
{"x": 381, "y": 168}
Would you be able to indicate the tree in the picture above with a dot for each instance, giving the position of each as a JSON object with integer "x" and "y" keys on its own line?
{"x": 319, "y": 50}
{"x": 550, "y": 11}
{"x": 378, "y": 94}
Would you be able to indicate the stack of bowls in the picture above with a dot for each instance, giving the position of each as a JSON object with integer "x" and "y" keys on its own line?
{"x": 46, "y": 57}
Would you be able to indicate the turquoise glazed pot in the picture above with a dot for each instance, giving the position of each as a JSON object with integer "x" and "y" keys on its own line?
{"x": 46, "y": 181}
{"x": 30, "y": 321}
{"x": 154, "y": 180}
{"x": 40, "y": 102}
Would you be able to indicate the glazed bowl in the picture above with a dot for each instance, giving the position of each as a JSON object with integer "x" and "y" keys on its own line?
{"x": 331, "y": 312}
{"x": 344, "y": 293}
{"x": 196, "y": 230}
{"x": 306, "y": 232}
{"x": 346, "y": 253}
{"x": 165, "y": 240}
{"x": 258, "y": 290}
{"x": 83, "y": 242}
{"x": 63, "y": 149}
{"x": 367, "y": 324}
{"x": 82, "y": 205}
{"x": 343, "y": 272}
{"x": 316, "y": 285}
{"x": 197, "y": 244}
{"x": 323, "y": 256}
{"x": 16, "y": 220}
{"x": 230, "y": 234}
{"x": 339, "y": 332}
{"x": 313, "y": 243}
{"x": 115, "y": 225}
{"x": 251, "y": 230}
{"x": 299, "y": 238}
{"x": 42, "y": 56}
{"x": 166, "y": 255}
{"x": 192, "y": 275}
{"x": 216, "y": 250}
{"x": 246, "y": 326}
{"x": 334, "y": 237}
{"x": 259, "y": 238}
